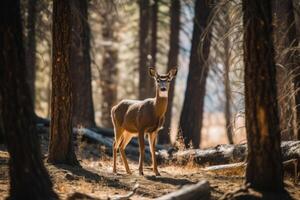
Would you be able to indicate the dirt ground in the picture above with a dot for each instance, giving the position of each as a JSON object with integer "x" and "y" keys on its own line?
{"x": 95, "y": 178}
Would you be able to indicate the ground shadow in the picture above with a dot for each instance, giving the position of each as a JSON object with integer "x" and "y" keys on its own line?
{"x": 168, "y": 180}
{"x": 245, "y": 193}
{"x": 77, "y": 196}
{"x": 93, "y": 176}
{"x": 81, "y": 172}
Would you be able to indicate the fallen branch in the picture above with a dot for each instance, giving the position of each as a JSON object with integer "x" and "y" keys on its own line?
{"x": 107, "y": 132}
{"x": 106, "y": 141}
{"x": 228, "y": 169}
{"x": 200, "y": 191}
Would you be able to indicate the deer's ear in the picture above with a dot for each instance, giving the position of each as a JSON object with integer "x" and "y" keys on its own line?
{"x": 172, "y": 73}
{"x": 152, "y": 72}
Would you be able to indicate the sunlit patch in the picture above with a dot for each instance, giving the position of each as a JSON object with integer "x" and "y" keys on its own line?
{"x": 163, "y": 93}
{"x": 262, "y": 121}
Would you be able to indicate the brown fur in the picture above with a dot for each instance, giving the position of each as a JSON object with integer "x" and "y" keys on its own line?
{"x": 134, "y": 118}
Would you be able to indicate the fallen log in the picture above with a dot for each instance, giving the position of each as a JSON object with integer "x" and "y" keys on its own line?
{"x": 134, "y": 142}
{"x": 290, "y": 167}
{"x": 221, "y": 154}
{"x": 131, "y": 151}
{"x": 107, "y": 132}
{"x": 200, "y": 191}
{"x": 106, "y": 141}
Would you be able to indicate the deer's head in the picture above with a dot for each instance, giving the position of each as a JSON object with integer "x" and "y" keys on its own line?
{"x": 162, "y": 80}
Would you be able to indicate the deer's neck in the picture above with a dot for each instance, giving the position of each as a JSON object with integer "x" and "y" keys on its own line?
{"x": 161, "y": 104}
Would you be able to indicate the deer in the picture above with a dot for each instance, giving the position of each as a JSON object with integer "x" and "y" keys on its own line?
{"x": 137, "y": 118}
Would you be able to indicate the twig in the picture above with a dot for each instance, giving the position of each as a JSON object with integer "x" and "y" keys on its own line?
{"x": 125, "y": 197}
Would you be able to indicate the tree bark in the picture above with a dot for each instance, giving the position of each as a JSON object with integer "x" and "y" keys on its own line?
{"x": 296, "y": 6}
{"x": 192, "y": 112}
{"x": 28, "y": 176}
{"x": 108, "y": 74}
{"x": 144, "y": 47}
{"x": 61, "y": 144}
{"x": 31, "y": 46}
{"x": 80, "y": 66}
{"x": 264, "y": 166}
{"x": 1, "y": 137}
{"x": 164, "y": 137}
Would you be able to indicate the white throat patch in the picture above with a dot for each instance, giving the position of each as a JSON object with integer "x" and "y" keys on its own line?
{"x": 163, "y": 93}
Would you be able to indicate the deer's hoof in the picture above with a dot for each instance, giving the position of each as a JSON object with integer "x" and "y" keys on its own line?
{"x": 141, "y": 173}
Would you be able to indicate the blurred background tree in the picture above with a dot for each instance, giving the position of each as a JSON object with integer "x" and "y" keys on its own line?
{"x": 83, "y": 108}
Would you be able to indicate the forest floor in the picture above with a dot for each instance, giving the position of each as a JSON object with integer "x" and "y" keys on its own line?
{"x": 95, "y": 178}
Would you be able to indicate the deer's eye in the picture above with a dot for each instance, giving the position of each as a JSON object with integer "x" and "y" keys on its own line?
{"x": 157, "y": 80}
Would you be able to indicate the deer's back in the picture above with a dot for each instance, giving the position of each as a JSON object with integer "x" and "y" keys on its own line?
{"x": 125, "y": 112}
{"x": 134, "y": 115}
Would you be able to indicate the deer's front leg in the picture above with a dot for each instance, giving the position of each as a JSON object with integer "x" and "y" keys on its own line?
{"x": 152, "y": 140}
{"x": 142, "y": 152}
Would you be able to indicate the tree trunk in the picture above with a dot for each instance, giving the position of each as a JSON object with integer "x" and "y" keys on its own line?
{"x": 294, "y": 35}
{"x": 227, "y": 91}
{"x": 296, "y": 6}
{"x": 31, "y": 47}
{"x": 83, "y": 108}
{"x": 61, "y": 144}
{"x": 264, "y": 166}
{"x": 144, "y": 47}
{"x": 192, "y": 112}
{"x": 285, "y": 38}
{"x": 28, "y": 176}
{"x": 154, "y": 13}
{"x": 2, "y": 137}
{"x": 153, "y": 46}
{"x": 164, "y": 137}
{"x": 108, "y": 74}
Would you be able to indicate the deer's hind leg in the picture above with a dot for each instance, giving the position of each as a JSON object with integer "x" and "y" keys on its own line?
{"x": 125, "y": 140}
{"x": 118, "y": 139}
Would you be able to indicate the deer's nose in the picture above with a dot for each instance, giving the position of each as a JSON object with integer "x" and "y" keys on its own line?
{"x": 163, "y": 89}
